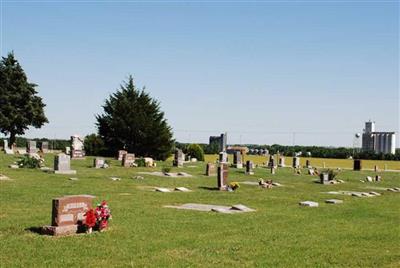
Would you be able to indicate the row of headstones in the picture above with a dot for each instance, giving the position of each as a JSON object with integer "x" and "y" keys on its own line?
{"x": 238, "y": 163}
{"x": 62, "y": 162}
{"x": 30, "y": 147}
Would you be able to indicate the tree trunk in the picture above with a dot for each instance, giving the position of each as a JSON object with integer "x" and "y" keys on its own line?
{"x": 12, "y": 140}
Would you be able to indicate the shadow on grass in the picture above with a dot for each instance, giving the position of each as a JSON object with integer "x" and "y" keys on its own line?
{"x": 36, "y": 230}
{"x": 209, "y": 188}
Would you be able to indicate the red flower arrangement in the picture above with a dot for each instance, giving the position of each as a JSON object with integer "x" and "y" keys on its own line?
{"x": 98, "y": 218}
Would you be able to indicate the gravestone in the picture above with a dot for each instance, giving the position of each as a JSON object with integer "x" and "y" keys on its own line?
{"x": 296, "y": 162}
{"x": 357, "y": 165}
{"x": 271, "y": 162}
{"x": 31, "y": 147}
{"x": 68, "y": 214}
{"x": 6, "y": 149}
{"x": 309, "y": 204}
{"x": 67, "y": 150}
{"x": 237, "y": 160}
{"x": 272, "y": 170}
{"x": 128, "y": 160}
{"x": 210, "y": 169}
{"x": 44, "y": 147}
{"x": 178, "y": 158}
{"x": 376, "y": 168}
{"x": 223, "y": 157}
{"x": 281, "y": 161}
{"x": 121, "y": 154}
{"x": 98, "y": 162}
{"x": 324, "y": 178}
{"x": 308, "y": 163}
{"x": 249, "y": 167}
{"x": 62, "y": 164}
{"x": 77, "y": 147}
{"x": 222, "y": 178}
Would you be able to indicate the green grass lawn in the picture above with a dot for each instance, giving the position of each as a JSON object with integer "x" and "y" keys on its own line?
{"x": 361, "y": 232}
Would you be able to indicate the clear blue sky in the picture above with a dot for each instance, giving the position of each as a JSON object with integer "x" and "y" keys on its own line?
{"x": 257, "y": 70}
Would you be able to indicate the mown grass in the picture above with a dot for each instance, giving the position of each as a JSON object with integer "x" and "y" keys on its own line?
{"x": 361, "y": 232}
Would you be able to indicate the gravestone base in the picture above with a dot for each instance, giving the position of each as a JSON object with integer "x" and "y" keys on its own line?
{"x": 60, "y": 230}
{"x": 238, "y": 165}
{"x": 77, "y": 154}
{"x": 249, "y": 173}
{"x": 68, "y": 172}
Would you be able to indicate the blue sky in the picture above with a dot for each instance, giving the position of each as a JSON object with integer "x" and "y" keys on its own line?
{"x": 261, "y": 70}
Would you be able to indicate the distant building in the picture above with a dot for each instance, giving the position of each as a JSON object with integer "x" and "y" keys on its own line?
{"x": 219, "y": 141}
{"x": 379, "y": 142}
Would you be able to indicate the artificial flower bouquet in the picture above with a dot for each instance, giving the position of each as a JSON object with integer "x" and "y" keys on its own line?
{"x": 98, "y": 218}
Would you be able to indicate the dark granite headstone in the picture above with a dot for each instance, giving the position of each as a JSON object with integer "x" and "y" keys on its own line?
{"x": 222, "y": 178}
{"x": 357, "y": 165}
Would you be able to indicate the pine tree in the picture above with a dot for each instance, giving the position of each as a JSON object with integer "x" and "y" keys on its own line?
{"x": 132, "y": 120}
{"x": 20, "y": 106}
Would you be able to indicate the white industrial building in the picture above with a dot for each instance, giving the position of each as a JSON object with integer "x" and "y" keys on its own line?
{"x": 379, "y": 142}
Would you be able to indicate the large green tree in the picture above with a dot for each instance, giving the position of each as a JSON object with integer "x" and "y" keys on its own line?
{"x": 134, "y": 121}
{"x": 20, "y": 106}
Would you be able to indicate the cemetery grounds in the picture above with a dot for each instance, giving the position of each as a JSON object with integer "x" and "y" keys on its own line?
{"x": 361, "y": 232}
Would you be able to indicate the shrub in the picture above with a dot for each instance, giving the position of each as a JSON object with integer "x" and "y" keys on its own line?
{"x": 140, "y": 162}
{"x": 166, "y": 169}
{"x": 195, "y": 150}
{"x": 29, "y": 162}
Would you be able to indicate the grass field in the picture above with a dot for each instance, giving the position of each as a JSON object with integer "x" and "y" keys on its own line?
{"x": 361, "y": 232}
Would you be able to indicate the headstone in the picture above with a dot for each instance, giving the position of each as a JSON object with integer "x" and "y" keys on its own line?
{"x": 68, "y": 214}
{"x": 273, "y": 170}
{"x": 178, "y": 158}
{"x": 334, "y": 201}
{"x": 31, "y": 147}
{"x": 67, "y": 150}
{"x": 6, "y": 149}
{"x": 376, "y": 168}
{"x": 121, "y": 154}
{"x": 323, "y": 164}
{"x": 128, "y": 160}
{"x": 77, "y": 147}
{"x": 98, "y": 162}
{"x": 324, "y": 177}
{"x": 62, "y": 164}
{"x": 271, "y": 161}
{"x": 308, "y": 163}
{"x": 296, "y": 162}
{"x": 222, "y": 178}
{"x": 237, "y": 159}
{"x": 210, "y": 169}
{"x": 44, "y": 147}
{"x": 223, "y": 157}
{"x": 357, "y": 165}
{"x": 281, "y": 161}
{"x": 162, "y": 190}
{"x": 249, "y": 167}
{"x": 308, "y": 204}
{"x": 149, "y": 162}
{"x": 5, "y": 144}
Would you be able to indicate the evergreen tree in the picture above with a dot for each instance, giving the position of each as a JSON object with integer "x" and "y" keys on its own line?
{"x": 132, "y": 120}
{"x": 20, "y": 107}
